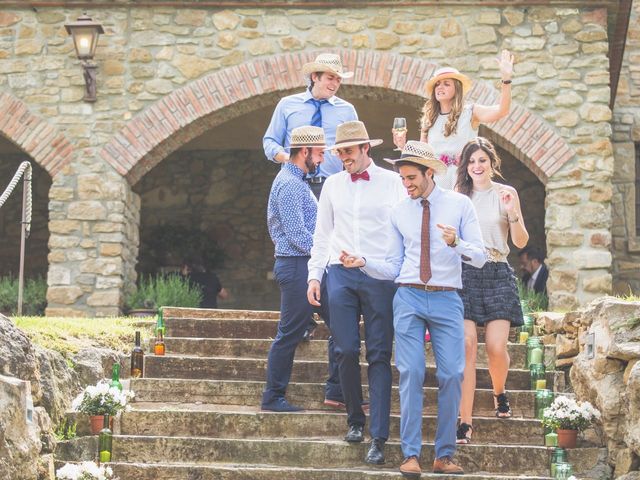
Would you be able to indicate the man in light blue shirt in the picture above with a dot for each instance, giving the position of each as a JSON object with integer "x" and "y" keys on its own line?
{"x": 317, "y": 106}
{"x": 432, "y": 231}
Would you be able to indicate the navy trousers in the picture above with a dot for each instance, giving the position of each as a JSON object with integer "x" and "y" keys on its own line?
{"x": 295, "y": 314}
{"x": 351, "y": 291}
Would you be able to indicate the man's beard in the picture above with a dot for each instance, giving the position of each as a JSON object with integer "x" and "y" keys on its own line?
{"x": 311, "y": 167}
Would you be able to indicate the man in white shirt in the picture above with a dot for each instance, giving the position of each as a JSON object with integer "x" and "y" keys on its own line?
{"x": 535, "y": 271}
{"x": 353, "y": 213}
{"x": 432, "y": 231}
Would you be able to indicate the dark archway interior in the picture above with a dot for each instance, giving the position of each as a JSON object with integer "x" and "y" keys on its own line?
{"x": 11, "y": 216}
{"x": 219, "y": 183}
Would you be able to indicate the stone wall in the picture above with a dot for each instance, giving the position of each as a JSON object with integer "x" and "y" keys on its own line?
{"x": 11, "y": 216}
{"x": 168, "y": 75}
{"x": 224, "y": 194}
{"x": 626, "y": 133}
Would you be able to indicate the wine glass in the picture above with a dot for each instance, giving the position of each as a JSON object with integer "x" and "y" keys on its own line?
{"x": 399, "y": 126}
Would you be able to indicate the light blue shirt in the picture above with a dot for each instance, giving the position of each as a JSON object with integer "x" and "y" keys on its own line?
{"x": 296, "y": 111}
{"x": 402, "y": 262}
{"x": 291, "y": 213}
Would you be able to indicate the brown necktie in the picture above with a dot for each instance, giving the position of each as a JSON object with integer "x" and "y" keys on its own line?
{"x": 425, "y": 259}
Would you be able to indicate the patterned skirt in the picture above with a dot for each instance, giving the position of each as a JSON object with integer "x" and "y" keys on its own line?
{"x": 490, "y": 293}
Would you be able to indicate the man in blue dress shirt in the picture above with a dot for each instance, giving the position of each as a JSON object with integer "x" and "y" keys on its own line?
{"x": 318, "y": 106}
{"x": 354, "y": 214}
{"x": 432, "y": 231}
{"x": 291, "y": 218}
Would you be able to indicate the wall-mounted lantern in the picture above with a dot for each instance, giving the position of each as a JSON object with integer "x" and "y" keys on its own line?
{"x": 85, "y": 33}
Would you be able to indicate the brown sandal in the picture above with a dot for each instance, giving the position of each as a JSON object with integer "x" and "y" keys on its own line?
{"x": 463, "y": 434}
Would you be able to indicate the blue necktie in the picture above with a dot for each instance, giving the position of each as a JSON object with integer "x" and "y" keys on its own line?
{"x": 316, "y": 119}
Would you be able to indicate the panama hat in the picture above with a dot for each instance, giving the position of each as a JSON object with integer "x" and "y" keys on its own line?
{"x": 326, "y": 62}
{"x": 352, "y": 133}
{"x": 420, "y": 153}
{"x": 307, "y": 136}
{"x": 448, "y": 72}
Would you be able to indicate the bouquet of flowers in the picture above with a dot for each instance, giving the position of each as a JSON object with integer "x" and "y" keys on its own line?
{"x": 84, "y": 471}
{"x": 101, "y": 399}
{"x": 567, "y": 414}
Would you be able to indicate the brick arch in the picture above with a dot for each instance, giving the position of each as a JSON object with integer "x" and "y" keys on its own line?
{"x": 34, "y": 135}
{"x": 172, "y": 121}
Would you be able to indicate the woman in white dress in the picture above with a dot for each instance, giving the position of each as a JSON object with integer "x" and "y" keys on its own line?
{"x": 447, "y": 123}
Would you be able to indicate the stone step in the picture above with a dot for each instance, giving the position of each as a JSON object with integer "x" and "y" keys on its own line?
{"x": 253, "y": 327}
{"x": 313, "y": 350}
{"x": 144, "y": 471}
{"x": 522, "y": 460}
{"x": 182, "y": 312}
{"x": 225, "y": 368}
{"x": 183, "y": 420}
{"x": 306, "y": 395}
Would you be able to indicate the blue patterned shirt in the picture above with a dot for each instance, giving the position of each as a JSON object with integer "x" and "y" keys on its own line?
{"x": 296, "y": 111}
{"x": 291, "y": 213}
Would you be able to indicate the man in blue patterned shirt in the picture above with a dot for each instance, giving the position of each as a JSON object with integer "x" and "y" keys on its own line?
{"x": 291, "y": 218}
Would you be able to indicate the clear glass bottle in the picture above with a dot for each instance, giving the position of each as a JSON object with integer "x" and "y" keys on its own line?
{"x": 137, "y": 359}
{"x": 115, "y": 377}
{"x": 105, "y": 442}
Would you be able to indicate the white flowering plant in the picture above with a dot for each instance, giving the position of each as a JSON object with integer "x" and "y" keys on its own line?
{"x": 101, "y": 399}
{"x": 568, "y": 414}
{"x": 84, "y": 471}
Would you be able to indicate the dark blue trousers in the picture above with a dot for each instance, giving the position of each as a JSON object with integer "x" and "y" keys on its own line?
{"x": 350, "y": 292}
{"x": 295, "y": 313}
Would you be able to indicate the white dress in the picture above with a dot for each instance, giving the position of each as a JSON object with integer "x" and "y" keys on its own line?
{"x": 451, "y": 146}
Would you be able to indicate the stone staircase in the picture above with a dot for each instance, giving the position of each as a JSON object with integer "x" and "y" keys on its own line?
{"x": 196, "y": 414}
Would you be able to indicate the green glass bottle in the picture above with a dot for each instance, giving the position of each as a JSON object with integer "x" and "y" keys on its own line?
{"x": 543, "y": 399}
{"x": 559, "y": 455}
{"x": 535, "y": 351}
{"x": 137, "y": 359}
{"x": 160, "y": 327}
{"x": 538, "y": 376}
{"x": 105, "y": 442}
{"x": 115, "y": 377}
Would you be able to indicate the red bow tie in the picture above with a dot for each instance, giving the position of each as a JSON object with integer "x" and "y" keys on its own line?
{"x": 356, "y": 176}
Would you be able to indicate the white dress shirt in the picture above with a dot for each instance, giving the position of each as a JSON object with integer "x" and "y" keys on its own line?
{"x": 402, "y": 262}
{"x": 534, "y": 276}
{"x": 354, "y": 216}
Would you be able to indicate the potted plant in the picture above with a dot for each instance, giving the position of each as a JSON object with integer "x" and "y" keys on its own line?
{"x": 100, "y": 400}
{"x": 568, "y": 417}
{"x": 84, "y": 471}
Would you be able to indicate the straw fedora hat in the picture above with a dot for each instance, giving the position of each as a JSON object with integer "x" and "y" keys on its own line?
{"x": 448, "y": 72}
{"x": 420, "y": 153}
{"x": 307, "y": 136}
{"x": 352, "y": 133}
{"x": 326, "y": 62}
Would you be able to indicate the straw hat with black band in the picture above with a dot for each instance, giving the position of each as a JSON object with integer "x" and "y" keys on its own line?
{"x": 352, "y": 133}
{"x": 307, "y": 136}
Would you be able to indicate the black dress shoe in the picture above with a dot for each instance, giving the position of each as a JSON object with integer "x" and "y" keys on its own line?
{"x": 355, "y": 434}
{"x": 280, "y": 405}
{"x": 375, "y": 455}
{"x": 308, "y": 333}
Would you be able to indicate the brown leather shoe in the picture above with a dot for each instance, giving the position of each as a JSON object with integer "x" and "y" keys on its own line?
{"x": 446, "y": 465}
{"x": 410, "y": 468}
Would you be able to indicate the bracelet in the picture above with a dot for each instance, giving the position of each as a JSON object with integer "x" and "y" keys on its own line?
{"x": 365, "y": 262}
{"x": 506, "y": 82}
{"x": 515, "y": 220}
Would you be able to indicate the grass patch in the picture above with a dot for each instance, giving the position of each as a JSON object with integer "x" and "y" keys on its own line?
{"x": 628, "y": 297}
{"x": 69, "y": 335}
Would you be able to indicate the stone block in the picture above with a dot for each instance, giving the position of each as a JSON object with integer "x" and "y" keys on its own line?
{"x": 227, "y": 40}
{"x": 385, "y": 40}
{"x": 64, "y": 295}
{"x": 97, "y": 187}
{"x": 110, "y": 249}
{"x": 277, "y": 25}
{"x": 86, "y": 210}
{"x": 600, "y": 240}
{"x": 104, "y": 299}
{"x": 594, "y": 215}
{"x": 598, "y": 284}
{"x": 349, "y": 25}
{"x": 58, "y": 275}
{"x": 226, "y": 20}
{"x": 566, "y": 347}
{"x": 591, "y": 259}
{"x": 64, "y": 226}
{"x": 564, "y": 238}
{"x": 562, "y": 280}
{"x": 513, "y": 16}
{"x": 562, "y": 301}
{"x": 192, "y": 66}
{"x": 194, "y": 18}
{"x": 481, "y": 35}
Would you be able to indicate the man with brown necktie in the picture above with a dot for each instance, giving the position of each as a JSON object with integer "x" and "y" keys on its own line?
{"x": 432, "y": 232}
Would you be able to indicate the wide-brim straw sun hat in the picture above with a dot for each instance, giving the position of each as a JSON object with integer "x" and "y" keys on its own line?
{"x": 352, "y": 133}
{"x": 420, "y": 153}
{"x": 448, "y": 72}
{"x": 307, "y": 136}
{"x": 326, "y": 62}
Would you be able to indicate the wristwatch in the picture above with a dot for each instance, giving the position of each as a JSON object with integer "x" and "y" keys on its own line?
{"x": 456, "y": 242}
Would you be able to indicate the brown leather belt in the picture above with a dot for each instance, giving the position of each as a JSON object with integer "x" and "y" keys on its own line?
{"x": 428, "y": 288}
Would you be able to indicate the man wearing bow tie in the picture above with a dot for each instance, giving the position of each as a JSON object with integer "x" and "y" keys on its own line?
{"x": 353, "y": 213}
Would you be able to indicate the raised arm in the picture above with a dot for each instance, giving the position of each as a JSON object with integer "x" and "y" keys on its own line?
{"x": 493, "y": 113}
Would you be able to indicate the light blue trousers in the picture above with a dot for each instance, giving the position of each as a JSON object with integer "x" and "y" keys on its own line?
{"x": 442, "y": 312}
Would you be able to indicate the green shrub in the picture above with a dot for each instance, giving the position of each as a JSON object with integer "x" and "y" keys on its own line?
{"x": 159, "y": 291}
{"x": 34, "y": 296}
{"x": 536, "y": 302}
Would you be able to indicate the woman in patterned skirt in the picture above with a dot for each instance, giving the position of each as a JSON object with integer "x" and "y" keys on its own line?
{"x": 489, "y": 294}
